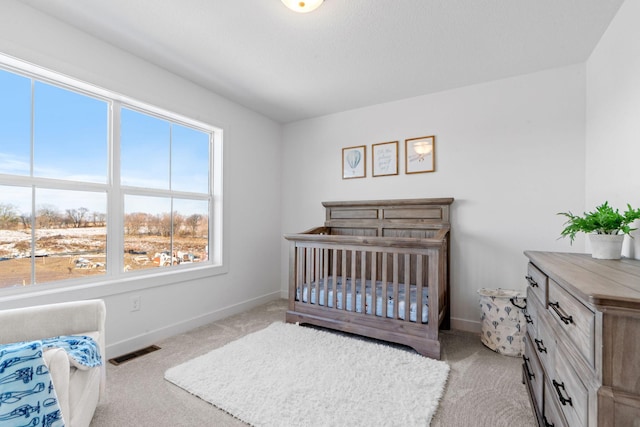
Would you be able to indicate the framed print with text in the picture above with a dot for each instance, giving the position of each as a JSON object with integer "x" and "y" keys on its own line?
{"x": 384, "y": 157}
{"x": 420, "y": 154}
{"x": 354, "y": 162}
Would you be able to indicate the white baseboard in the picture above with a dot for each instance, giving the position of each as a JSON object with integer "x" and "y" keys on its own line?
{"x": 466, "y": 325}
{"x": 140, "y": 341}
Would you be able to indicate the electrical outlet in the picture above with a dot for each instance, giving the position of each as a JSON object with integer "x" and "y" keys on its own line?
{"x": 135, "y": 303}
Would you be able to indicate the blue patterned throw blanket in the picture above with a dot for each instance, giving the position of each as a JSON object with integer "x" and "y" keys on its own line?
{"x": 27, "y": 396}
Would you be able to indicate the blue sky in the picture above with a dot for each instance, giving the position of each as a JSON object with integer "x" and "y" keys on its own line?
{"x": 69, "y": 135}
{"x": 71, "y": 140}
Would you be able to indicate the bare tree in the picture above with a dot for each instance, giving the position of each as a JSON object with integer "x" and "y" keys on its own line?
{"x": 178, "y": 221}
{"x": 164, "y": 224}
{"x": 193, "y": 222}
{"x": 8, "y": 216}
{"x": 77, "y": 216}
{"x": 98, "y": 219}
{"x": 25, "y": 219}
{"x": 134, "y": 222}
{"x": 47, "y": 216}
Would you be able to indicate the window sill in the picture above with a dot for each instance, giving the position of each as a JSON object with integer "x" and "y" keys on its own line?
{"x": 107, "y": 286}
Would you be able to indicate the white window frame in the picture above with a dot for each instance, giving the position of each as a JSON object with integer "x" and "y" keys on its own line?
{"x": 116, "y": 280}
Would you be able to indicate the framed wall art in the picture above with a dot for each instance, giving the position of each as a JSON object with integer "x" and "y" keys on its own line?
{"x": 354, "y": 162}
{"x": 420, "y": 154}
{"x": 384, "y": 157}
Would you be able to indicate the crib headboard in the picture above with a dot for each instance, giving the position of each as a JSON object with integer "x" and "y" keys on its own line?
{"x": 416, "y": 218}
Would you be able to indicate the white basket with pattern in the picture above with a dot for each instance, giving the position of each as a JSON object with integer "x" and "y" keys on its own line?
{"x": 503, "y": 321}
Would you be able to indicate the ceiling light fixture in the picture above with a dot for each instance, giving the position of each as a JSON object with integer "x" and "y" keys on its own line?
{"x": 302, "y": 6}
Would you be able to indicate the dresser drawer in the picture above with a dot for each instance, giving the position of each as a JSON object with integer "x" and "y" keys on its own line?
{"x": 545, "y": 345}
{"x": 531, "y": 314}
{"x": 575, "y": 318}
{"x": 534, "y": 371}
{"x": 568, "y": 392}
{"x": 537, "y": 283}
{"x": 552, "y": 412}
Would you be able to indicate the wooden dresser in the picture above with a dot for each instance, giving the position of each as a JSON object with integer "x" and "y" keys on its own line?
{"x": 582, "y": 352}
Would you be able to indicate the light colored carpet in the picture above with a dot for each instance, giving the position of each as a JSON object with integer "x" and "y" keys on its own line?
{"x": 483, "y": 389}
{"x": 289, "y": 375}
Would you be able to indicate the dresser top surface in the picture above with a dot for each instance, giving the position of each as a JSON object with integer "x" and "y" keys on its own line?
{"x": 610, "y": 283}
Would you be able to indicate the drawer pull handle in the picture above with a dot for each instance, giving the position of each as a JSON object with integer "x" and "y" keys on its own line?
{"x": 547, "y": 423}
{"x": 532, "y": 282}
{"x": 526, "y": 368}
{"x": 521, "y": 307}
{"x": 528, "y": 318}
{"x": 556, "y": 307}
{"x": 563, "y": 400}
{"x": 540, "y": 345}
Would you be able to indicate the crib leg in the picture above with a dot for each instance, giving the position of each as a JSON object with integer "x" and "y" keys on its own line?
{"x": 427, "y": 348}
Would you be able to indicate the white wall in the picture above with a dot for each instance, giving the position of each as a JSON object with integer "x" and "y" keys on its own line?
{"x": 613, "y": 118}
{"x": 252, "y": 185}
{"x": 511, "y": 152}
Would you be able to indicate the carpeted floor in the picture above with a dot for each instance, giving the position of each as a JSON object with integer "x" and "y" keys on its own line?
{"x": 484, "y": 388}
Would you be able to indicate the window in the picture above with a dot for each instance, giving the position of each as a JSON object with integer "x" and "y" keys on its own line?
{"x": 93, "y": 184}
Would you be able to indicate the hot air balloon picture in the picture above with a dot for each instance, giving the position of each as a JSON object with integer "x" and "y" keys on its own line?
{"x": 354, "y": 162}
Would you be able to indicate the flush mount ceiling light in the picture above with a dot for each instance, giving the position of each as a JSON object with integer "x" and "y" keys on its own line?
{"x": 302, "y": 6}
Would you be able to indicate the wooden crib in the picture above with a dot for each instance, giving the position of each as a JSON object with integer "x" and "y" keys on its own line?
{"x": 376, "y": 268}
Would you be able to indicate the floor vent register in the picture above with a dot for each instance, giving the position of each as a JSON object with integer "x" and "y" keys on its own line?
{"x": 134, "y": 354}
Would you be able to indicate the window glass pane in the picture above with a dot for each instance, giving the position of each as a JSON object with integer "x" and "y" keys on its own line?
{"x": 15, "y": 236}
{"x": 15, "y": 123}
{"x": 144, "y": 147}
{"x": 54, "y": 137}
{"x": 189, "y": 159}
{"x": 71, "y": 234}
{"x": 70, "y": 135}
{"x": 191, "y": 230}
{"x": 147, "y": 232}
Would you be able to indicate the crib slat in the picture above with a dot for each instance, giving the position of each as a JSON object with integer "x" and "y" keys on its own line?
{"x": 384, "y": 278}
{"x": 407, "y": 287}
{"x": 325, "y": 271}
{"x": 318, "y": 269}
{"x": 334, "y": 273}
{"x": 363, "y": 282}
{"x": 344, "y": 279}
{"x": 309, "y": 277}
{"x": 353, "y": 280}
{"x": 395, "y": 285}
{"x": 301, "y": 273}
{"x": 374, "y": 286}
{"x": 419, "y": 260}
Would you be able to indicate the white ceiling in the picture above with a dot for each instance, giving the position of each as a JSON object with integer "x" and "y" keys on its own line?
{"x": 348, "y": 53}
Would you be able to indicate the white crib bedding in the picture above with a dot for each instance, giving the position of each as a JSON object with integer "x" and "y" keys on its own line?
{"x": 318, "y": 297}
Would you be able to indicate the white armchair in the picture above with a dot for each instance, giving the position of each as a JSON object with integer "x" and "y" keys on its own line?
{"x": 78, "y": 391}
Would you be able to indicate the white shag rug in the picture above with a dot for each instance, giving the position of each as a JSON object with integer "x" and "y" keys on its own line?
{"x": 289, "y": 375}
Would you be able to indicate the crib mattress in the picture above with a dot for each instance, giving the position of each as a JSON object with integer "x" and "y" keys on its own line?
{"x": 318, "y": 297}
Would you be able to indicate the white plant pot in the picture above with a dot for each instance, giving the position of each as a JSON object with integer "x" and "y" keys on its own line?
{"x": 606, "y": 246}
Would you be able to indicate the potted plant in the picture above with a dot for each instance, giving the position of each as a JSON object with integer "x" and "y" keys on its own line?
{"x": 606, "y": 228}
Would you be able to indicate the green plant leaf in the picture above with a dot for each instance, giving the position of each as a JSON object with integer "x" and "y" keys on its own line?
{"x": 603, "y": 220}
